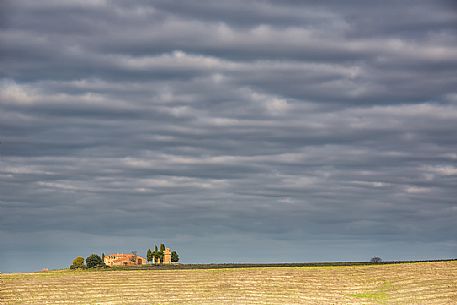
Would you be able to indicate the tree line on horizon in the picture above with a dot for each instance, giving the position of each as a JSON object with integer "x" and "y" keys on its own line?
{"x": 92, "y": 261}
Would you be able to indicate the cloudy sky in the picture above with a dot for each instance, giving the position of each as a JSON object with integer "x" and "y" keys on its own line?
{"x": 233, "y": 131}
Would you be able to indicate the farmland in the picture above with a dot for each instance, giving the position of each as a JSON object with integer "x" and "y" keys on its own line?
{"x": 406, "y": 283}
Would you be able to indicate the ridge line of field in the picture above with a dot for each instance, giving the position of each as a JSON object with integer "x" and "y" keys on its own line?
{"x": 265, "y": 265}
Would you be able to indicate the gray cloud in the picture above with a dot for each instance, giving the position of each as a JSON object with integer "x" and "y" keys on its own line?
{"x": 325, "y": 129}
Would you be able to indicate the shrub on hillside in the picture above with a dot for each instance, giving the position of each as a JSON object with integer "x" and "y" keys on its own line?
{"x": 93, "y": 261}
{"x": 174, "y": 257}
{"x": 78, "y": 263}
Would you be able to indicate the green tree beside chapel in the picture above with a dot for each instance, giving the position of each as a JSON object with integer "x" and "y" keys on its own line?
{"x": 174, "y": 257}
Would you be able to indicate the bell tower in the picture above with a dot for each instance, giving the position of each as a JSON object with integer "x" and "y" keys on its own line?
{"x": 167, "y": 256}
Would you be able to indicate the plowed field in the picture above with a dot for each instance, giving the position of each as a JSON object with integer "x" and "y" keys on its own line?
{"x": 413, "y": 283}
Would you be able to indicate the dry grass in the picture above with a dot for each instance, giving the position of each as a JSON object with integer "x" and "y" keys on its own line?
{"x": 415, "y": 283}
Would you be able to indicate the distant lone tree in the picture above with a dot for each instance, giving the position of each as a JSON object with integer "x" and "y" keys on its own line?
{"x": 78, "y": 263}
{"x": 162, "y": 248}
{"x": 376, "y": 260}
{"x": 93, "y": 261}
{"x": 174, "y": 257}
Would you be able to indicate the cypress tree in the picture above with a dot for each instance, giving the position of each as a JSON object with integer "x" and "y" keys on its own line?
{"x": 161, "y": 252}
{"x": 155, "y": 253}
{"x": 149, "y": 255}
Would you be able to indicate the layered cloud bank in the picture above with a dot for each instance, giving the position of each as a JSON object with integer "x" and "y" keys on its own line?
{"x": 233, "y": 130}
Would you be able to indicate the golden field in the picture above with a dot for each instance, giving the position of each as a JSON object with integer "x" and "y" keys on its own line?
{"x": 407, "y": 283}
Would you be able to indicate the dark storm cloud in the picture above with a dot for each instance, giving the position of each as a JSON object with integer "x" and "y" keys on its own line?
{"x": 320, "y": 128}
